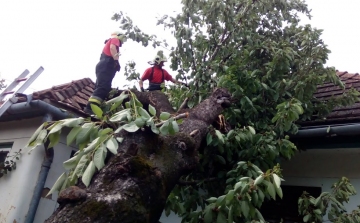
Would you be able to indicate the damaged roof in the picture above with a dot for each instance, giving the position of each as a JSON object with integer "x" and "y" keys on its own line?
{"x": 73, "y": 97}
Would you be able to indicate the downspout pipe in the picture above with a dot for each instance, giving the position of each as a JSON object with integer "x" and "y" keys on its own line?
{"x": 38, "y": 105}
{"x": 45, "y": 168}
{"x": 339, "y": 130}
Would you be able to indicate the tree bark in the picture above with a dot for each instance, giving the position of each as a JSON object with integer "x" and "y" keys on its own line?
{"x": 135, "y": 183}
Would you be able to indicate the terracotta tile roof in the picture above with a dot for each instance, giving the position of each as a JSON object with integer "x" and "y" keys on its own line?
{"x": 71, "y": 96}
{"x": 327, "y": 90}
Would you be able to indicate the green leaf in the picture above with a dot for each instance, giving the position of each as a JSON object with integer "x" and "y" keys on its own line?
{"x": 57, "y": 127}
{"x": 279, "y": 192}
{"x": 238, "y": 185}
{"x": 318, "y": 201}
{"x": 219, "y": 135}
{"x": 70, "y": 163}
{"x": 221, "y": 159}
{"x": 154, "y": 129}
{"x": 277, "y": 180}
{"x": 208, "y": 215}
{"x": 119, "y": 139}
{"x": 65, "y": 183}
{"x": 88, "y": 174}
{"x": 105, "y": 131}
{"x": 211, "y": 199}
{"x": 112, "y": 145}
{"x": 230, "y": 215}
{"x": 84, "y": 133}
{"x": 270, "y": 189}
{"x": 259, "y": 215}
{"x": 143, "y": 113}
{"x": 230, "y": 195}
{"x": 39, "y": 140}
{"x": 230, "y": 133}
{"x": 81, "y": 166}
{"x": 72, "y": 135}
{"x": 115, "y": 105}
{"x": 175, "y": 126}
{"x": 220, "y": 200}
{"x": 58, "y": 183}
{"x": 92, "y": 145}
{"x": 119, "y": 99}
{"x": 120, "y": 116}
{"x": 259, "y": 180}
{"x": 152, "y": 110}
{"x": 261, "y": 195}
{"x": 245, "y": 208}
{"x": 54, "y": 139}
{"x": 170, "y": 127}
{"x": 221, "y": 218}
{"x": 208, "y": 139}
{"x": 97, "y": 110}
{"x": 73, "y": 122}
{"x": 99, "y": 157}
{"x": 140, "y": 122}
{"x": 252, "y": 130}
{"x": 35, "y": 135}
{"x": 164, "y": 129}
{"x": 306, "y": 218}
{"x": 164, "y": 116}
{"x": 130, "y": 127}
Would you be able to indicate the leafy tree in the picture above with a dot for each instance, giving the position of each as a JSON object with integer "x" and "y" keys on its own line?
{"x": 271, "y": 66}
{"x": 314, "y": 209}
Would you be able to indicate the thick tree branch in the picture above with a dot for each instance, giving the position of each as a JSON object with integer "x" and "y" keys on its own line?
{"x": 180, "y": 116}
{"x": 134, "y": 184}
{"x": 183, "y": 105}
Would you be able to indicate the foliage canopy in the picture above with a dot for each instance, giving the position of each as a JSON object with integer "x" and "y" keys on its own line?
{"x": 272, "y": 65}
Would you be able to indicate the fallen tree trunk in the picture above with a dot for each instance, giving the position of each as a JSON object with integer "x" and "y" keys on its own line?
{"x": 135, "y": 183}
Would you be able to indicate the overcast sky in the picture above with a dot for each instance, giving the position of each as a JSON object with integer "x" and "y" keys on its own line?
{"x": 66, "y": 37}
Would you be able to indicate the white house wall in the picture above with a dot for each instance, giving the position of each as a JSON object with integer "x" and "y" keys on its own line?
{"x": 322, "y": 168}
{"x": 17, "y": 188}
{"x": 61, "y": 153}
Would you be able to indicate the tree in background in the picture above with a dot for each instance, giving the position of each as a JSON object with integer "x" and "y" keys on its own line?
{"x": 215, "y": 166}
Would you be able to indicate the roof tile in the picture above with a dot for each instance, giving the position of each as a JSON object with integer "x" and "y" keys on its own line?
{"x": 328, "y": 90}
{"x": 86, "y": 92}
{"x": 74, "y": 95}
{"x": 89, "y": 89}
{"x": 71, "y": 95}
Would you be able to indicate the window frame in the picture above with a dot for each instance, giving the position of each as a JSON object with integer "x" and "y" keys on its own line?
{"x": 5, "y": 147}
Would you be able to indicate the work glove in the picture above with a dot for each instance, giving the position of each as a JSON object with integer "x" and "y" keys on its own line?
{"x": 142, "y": 89}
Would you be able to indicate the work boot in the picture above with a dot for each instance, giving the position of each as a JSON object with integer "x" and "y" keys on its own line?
{"x": 88, "y": 110}
{"x": 94, "y": 101}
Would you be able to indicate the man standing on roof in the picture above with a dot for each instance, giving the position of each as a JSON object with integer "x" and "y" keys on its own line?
{"x": 156, "y": 75}
{"x": 106, "y": 69}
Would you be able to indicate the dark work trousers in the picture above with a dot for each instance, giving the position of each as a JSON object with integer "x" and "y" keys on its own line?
{"x": 105, "y": 72}
{"x": 154, "y": 87}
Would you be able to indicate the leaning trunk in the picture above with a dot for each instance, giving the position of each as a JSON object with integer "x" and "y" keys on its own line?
{"x": 134, "y": 184}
